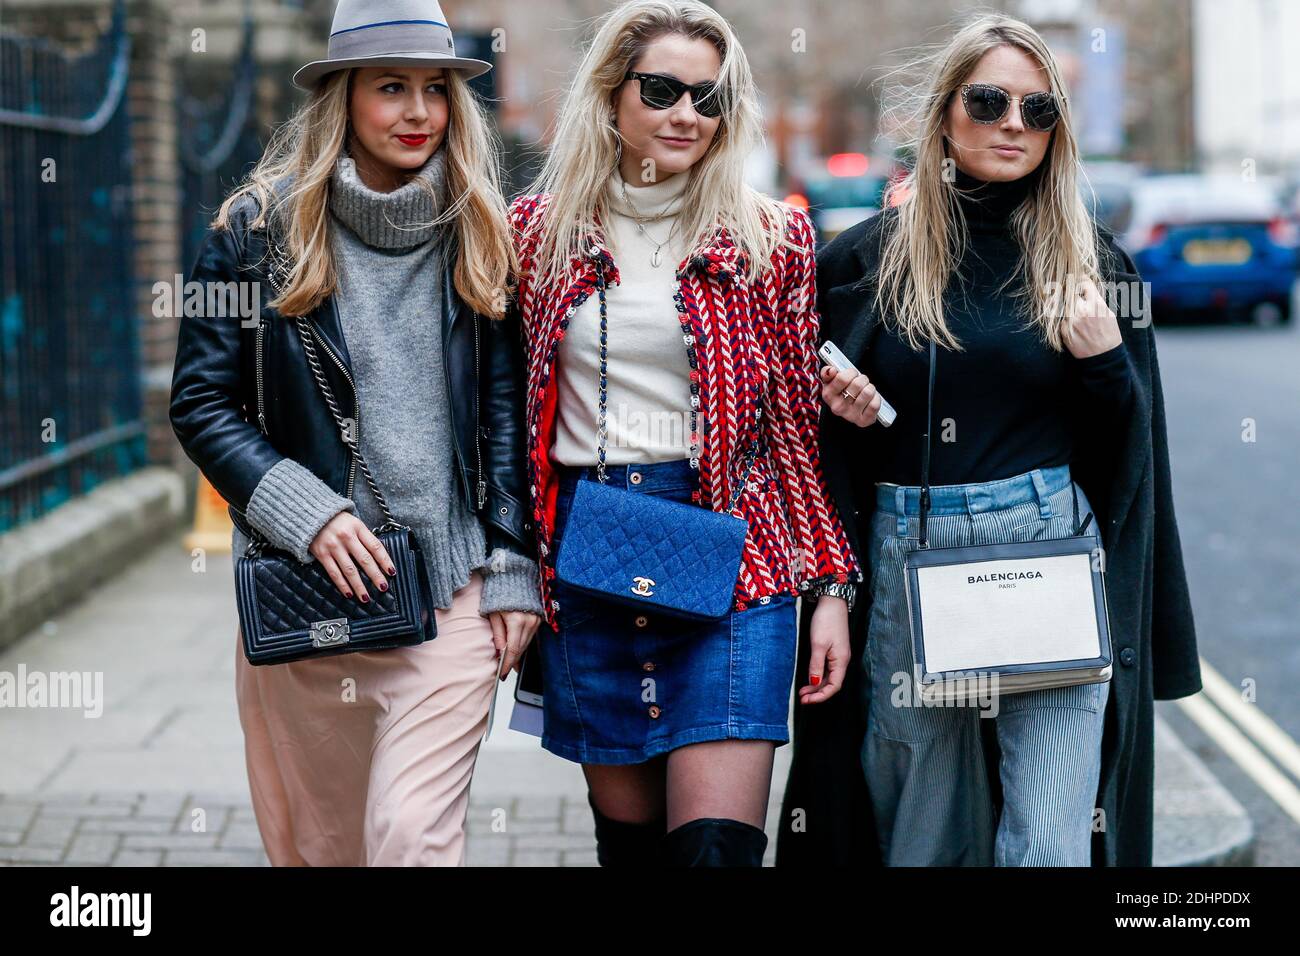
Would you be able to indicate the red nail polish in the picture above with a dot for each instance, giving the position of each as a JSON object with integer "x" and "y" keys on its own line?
{"x": 815, "y": 680}
{"x": 383, "y": 585}
{"x": 348, "y": 593}
{"x": 392, "y": 571}
{"x": 365, "y": 599}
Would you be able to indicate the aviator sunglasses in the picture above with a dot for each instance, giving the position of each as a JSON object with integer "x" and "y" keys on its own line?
{"x": 987, "y": 104}
{"x": 661, "y": 92}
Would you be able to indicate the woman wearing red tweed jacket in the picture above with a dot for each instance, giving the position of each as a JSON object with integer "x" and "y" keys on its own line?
{"x": 676, "y": 723}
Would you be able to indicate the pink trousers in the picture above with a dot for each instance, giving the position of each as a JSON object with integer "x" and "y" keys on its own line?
{"x": 365, "y": 759}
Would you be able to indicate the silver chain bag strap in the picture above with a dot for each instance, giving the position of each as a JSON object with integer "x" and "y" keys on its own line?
{"x": 289, "y": 610}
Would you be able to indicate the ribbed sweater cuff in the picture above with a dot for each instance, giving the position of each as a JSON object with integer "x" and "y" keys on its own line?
{"x": 290, "y": 505}
{"x": 510, "y": 583}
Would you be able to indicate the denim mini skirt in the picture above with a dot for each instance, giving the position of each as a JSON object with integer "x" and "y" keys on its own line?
{"x": 623, "y": 685}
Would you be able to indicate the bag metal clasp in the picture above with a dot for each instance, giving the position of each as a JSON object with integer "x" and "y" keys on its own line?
{"x": 329, "y": 633}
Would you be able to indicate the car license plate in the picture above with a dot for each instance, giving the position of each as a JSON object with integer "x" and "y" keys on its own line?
{"x": 1216, "y": 252}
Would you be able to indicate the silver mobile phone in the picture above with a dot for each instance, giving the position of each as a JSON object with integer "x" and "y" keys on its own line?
{"x": 831, "y": 354}
{"x": 528, "y": 689}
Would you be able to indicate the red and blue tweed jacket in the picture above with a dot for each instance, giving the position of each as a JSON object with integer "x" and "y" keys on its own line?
{"x": 750, "y": 338}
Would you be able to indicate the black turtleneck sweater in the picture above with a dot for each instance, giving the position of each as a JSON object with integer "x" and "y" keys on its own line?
{"x": 1002, "y": 406}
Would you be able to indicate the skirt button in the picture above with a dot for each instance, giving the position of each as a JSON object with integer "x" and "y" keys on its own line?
{"x": 642, "y": 620}
{"x": 635, "y": 477}
{"x": 648, "y": 666}
{"x": 654, "y": 712}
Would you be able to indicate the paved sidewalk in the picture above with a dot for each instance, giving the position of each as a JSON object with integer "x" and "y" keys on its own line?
{"x": 158, "y": 779}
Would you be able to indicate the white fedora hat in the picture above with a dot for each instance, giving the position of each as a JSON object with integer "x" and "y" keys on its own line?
{"x": 388, "y": 33}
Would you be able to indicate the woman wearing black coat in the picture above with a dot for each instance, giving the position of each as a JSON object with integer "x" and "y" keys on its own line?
{"x": 1074, "y": 388}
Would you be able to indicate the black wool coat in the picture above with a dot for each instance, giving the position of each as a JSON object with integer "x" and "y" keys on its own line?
{"x": 826, "y": 816}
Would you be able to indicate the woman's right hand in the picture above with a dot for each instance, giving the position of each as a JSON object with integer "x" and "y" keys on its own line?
{"x": 850, "y": 395}
{"x": 346, "y": 543}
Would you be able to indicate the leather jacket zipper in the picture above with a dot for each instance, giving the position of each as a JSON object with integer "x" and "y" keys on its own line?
{"x": 478, "y": 425}
{"x": 352, "y": 463}
{"x": 261, "y": 406}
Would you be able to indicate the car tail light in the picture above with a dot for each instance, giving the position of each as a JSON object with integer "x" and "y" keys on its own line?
{"x": 1284, "y": 232}
{"x": 848, "y": 164}
{"x": 1157, "y": 234}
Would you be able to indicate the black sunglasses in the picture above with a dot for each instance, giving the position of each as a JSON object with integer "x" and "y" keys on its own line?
{"x": 661, "y": 92}
{"x": 988, "y": 104}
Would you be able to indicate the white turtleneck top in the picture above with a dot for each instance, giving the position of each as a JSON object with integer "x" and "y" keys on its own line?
{"x": 649, "y": 387}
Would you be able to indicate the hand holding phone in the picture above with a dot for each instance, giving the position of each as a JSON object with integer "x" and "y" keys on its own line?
{"x": 861, "y": 403}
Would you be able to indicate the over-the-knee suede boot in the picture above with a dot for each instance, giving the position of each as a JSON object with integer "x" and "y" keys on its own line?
{"x": 715, "y": 841}
{"x": 620, "y": 844}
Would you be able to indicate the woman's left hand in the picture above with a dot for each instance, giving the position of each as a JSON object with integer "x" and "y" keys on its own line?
{"x": 512, "y": 632}
{"x": 829, "y": 661}
{"x": 1092, "y": 327}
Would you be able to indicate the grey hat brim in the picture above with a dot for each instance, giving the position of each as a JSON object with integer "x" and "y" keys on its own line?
{"x": 307, "y": 77}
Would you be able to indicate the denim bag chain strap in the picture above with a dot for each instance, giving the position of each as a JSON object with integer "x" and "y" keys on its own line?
{"x": 634, "y": 549}
{"x": 1016, "y": 615}
{"x": 290, "y": 611}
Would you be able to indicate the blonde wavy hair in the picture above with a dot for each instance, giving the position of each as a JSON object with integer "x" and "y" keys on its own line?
{"x": 1053, "y": 227}
{"x": 585, "y": 145}
{"x": 291, "y": 184}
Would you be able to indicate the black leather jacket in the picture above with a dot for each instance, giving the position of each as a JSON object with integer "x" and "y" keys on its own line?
{"x": 232, "y": 375}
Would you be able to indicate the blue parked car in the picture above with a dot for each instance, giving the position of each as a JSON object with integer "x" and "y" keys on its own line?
{"x": 1212, "y": 247}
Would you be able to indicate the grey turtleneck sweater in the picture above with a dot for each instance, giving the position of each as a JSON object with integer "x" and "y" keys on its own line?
{"x": 387, "y": 251}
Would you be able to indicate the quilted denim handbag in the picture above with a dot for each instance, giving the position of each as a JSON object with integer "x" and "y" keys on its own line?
{"x": 289, "y": 611}
{"x": 644, "y": 551}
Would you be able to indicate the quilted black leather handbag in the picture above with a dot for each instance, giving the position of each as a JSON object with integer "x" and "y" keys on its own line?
{"x": 289, "y": 611}
{"x": 641, "y": 550}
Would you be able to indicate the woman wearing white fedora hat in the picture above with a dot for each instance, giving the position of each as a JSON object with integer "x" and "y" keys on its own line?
{"x": 382, "y": 196}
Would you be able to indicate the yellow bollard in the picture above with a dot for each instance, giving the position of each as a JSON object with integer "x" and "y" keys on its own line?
{"x": 212, "y": 524}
